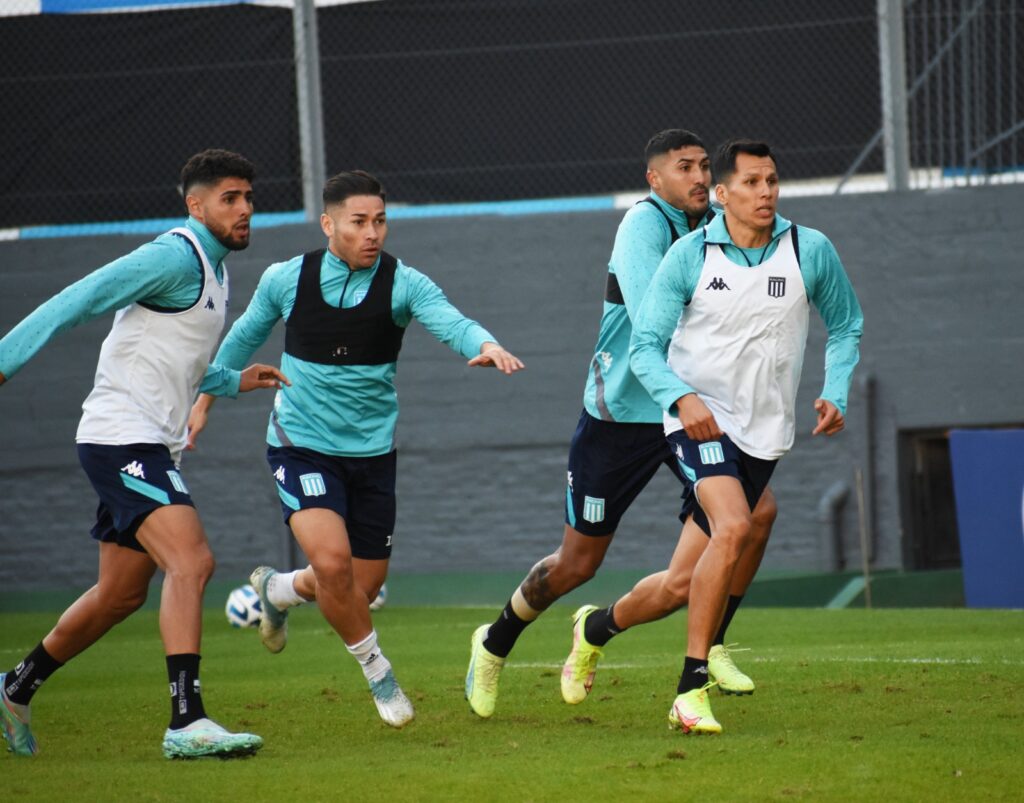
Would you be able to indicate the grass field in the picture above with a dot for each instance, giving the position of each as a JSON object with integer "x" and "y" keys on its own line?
{"x": 916, "y": 705}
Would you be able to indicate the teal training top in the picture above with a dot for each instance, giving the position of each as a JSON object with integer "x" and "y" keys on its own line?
{"x": 342, "y": 410}
{"x": 613, "y": 393}
{"x": 672, "y": 288}
{"x": 163, "y": 273}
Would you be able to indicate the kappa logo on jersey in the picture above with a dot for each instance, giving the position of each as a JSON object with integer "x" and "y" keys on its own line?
{"x": 313, "y": 484}
{"x": 776, "y": 286}
{"x": 593, "y": 509}
{"x": 279, "y": 474}
{"x": 606, "y": 358}
{"x": 209, "y": 303}
{"x": 177, "y": 482}
{"x": 711, "y": 453}
{"x": 134, "y": 469}
{"x": 358, "y": 296}
{"x": 717, "y": 284}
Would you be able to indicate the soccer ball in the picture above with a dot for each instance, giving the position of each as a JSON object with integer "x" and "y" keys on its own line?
{"x": 243, "y": 608}
{"x": 380, "y": 599}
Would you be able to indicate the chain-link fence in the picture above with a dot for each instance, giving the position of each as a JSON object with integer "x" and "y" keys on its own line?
{"x": 490, "y": 99}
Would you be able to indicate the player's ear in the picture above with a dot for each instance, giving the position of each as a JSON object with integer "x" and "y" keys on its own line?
{"x": 326, "y": 224}
{"x": 194, "y": 205}
{"x": 721, "y": 194}
{"x": 653, "y": 179}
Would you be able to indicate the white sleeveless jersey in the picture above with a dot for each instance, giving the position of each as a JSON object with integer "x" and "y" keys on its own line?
{"x": 151, "y": 365}
{"x": 740, "y": 345}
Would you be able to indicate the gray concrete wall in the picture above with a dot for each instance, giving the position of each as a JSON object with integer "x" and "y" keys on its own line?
{"x": 482, "y": 456}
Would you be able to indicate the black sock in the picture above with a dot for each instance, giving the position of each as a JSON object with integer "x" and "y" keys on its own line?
{"x": 695, "y": 674}
{"x": 502, "y": 635}
{"x": 600, "y": 626}
{"x": 730, "y": 611}
{"x": 25, "y": 679}
{"x": 186, "y": 699}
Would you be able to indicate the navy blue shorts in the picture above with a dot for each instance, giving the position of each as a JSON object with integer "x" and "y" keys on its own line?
{"x": 720, "y": 458}
{"x": 610, "y": 463}
{"x": 359, "y": 489}
{"x": 131, "y": 481}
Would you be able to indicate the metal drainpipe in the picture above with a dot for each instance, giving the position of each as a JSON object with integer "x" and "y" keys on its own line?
{"x": 867, "y": 387}
{"x": 830, "y": 510}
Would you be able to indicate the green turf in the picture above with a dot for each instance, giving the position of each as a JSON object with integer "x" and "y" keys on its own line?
{"x": 893, "y": 705}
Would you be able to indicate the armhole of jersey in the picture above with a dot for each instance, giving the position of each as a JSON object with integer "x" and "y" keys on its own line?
{"x": 796, "y": 245}
{"x": 202, "y": 283}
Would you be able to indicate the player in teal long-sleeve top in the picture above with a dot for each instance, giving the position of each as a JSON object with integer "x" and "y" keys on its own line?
{"x": 331, "y": 433}
{"x": 719, "y": 344}
{"x": 171, "y": 298}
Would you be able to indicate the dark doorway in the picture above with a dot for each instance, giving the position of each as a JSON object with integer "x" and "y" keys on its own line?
{"x": 928, "y": 507}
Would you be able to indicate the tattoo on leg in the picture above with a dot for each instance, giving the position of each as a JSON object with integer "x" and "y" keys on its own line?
{"x": 536, "y": 590}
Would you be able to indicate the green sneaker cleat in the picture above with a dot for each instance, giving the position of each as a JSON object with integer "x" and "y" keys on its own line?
{"x": 482, "y": 675}
{"x": 392, "y": 704}
{"x": 691, "y": 712}
{"x": 581, "y": 665}
{"x": 273, "y": 621}
{"x": 204, "y": 737}
{"x": 16, "y": 719}
{"x": 730, "y": 679}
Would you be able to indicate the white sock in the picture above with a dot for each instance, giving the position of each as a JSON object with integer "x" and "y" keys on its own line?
{"x": 281, "y": 591}
{"x": 371, "y": 659}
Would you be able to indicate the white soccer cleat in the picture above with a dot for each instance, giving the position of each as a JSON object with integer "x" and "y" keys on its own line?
{"x": 204, "y": 737}
{"x": 392, "y": 704}
{"x": 273, "y": 622}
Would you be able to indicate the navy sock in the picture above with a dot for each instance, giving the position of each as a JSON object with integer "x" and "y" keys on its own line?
{"x": 186, "y": 699}
{"x": 695, "y": 674}
{"x": 502, "y": 634}
{"x": 25, "y": 679}
{"x": 730, "y": 611}
{"x": 600, "y": 627}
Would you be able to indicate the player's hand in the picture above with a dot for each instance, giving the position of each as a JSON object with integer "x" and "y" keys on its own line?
{"x": 197, "y": 418}
{"x": 493, "y": 354}
{"x": 258, "y": 375}
{"x": 830, "y": 420}
{"x": 697, "y": 419}
{"x": 2, "y": 378}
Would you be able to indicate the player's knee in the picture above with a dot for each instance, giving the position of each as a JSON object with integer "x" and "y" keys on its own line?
{"x": 119, "y": 604}
{"x": 333, "y": 569}
{"x": 194, "y": 568}
{"x": 733, "y": 534}
{"x": 571, "y": 573}
{"x": 763, "y": 518}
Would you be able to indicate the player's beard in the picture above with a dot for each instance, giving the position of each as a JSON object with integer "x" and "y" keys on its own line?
{"x": 231, "y": 241}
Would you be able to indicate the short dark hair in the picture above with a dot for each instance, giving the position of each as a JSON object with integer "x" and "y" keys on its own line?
{"x": 351, "y": 182}
{"x": 213, "y": 164}
{"x": 669, "y": 140}
{"x": 724, "y": 164}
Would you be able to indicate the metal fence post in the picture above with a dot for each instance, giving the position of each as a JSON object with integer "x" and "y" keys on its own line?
{"x": 893, "y": 72}
{"x": 310, "y": 105}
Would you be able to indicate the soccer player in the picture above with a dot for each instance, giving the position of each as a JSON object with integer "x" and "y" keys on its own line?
{"x": 619, "y": 442}
{"x": 331, "y": 434}
{"x": 719, "y": 343}
{"x": 171, "y": 297}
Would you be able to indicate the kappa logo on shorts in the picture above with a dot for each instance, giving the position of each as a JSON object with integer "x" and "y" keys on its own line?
{"x": 711, "y": 453}
{"x": 313, "y": 484}
{"x": 279, "y": 474}
{"x": 177, "y": 482}
{"x": 134, "y": 469}
{"x": 593, "y": 509}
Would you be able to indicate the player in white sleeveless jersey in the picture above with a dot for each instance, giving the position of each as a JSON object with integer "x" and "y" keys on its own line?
{"x": 171, "y": 297}
{"x": 719, "y": 344}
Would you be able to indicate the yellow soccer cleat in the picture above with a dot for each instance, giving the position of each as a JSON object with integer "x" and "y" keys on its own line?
{"x": 691, "y": 712}
{"x": 581, "y": 665}
{"x": 729, "y": 678}
{"x": 482, "y": 675}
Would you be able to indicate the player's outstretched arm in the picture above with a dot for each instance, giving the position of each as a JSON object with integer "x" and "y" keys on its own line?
{"x": 493, "y": 354}
{"x": 255, "y": 376}
{"x": 830, "y": 420}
